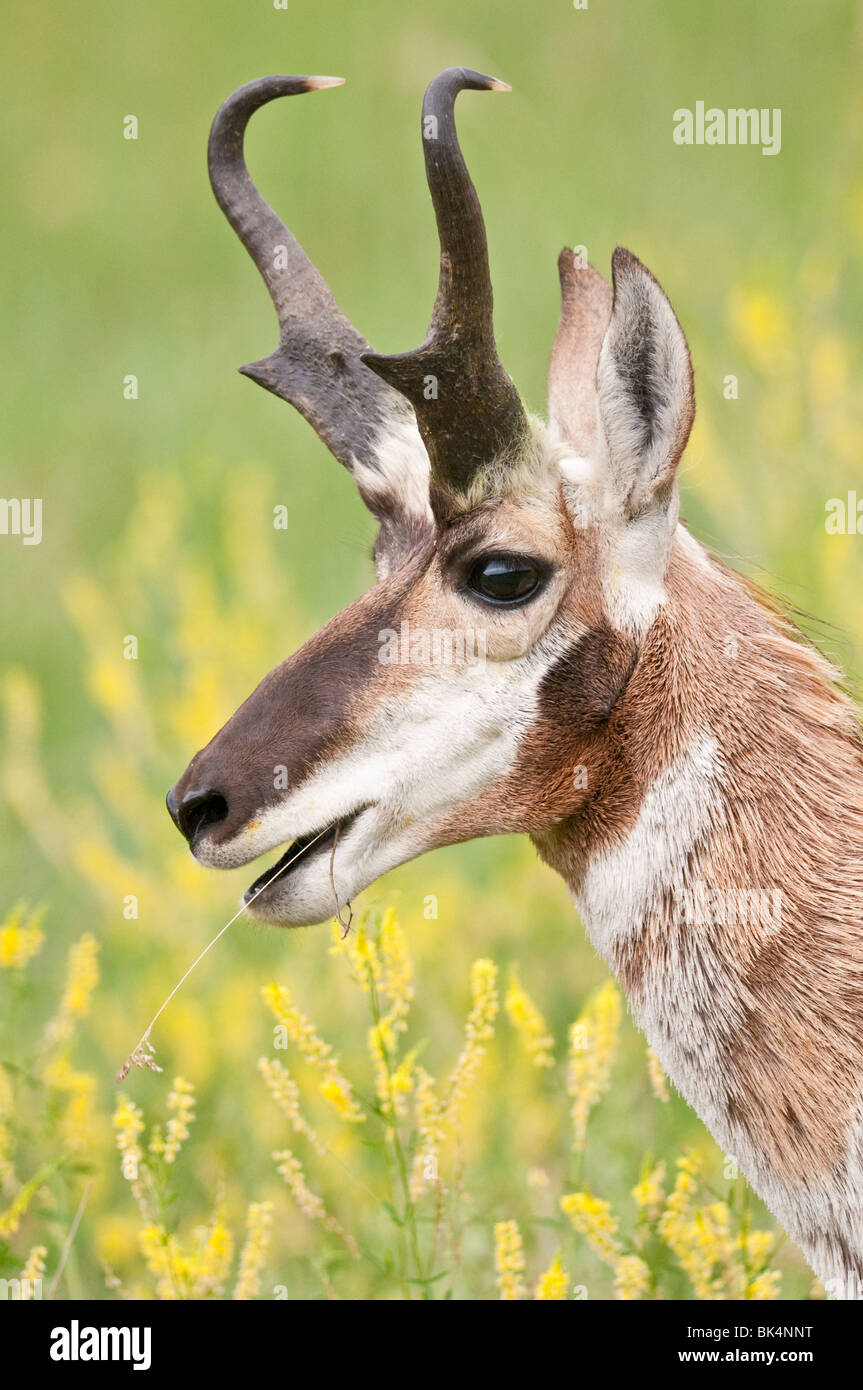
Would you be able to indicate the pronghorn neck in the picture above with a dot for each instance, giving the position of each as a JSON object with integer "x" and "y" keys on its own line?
{"x": 724, "y": 885}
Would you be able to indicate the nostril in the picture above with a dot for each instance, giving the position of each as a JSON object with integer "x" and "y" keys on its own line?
{"x": 197, "y": 810}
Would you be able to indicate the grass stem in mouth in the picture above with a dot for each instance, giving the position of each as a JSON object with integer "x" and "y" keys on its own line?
{"x": 142, "y": 1055}
{"x": 345, "y": 925}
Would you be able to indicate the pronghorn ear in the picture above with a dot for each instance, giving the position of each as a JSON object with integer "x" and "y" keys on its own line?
{"x": 645, "y": 391}
{"x": 584, "y": 317}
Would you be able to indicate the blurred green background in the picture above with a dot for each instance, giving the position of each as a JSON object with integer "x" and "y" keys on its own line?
{"x": 157, "y": 512}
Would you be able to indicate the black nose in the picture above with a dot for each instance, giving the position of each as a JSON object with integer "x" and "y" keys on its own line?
{"x": 196, "y": 810}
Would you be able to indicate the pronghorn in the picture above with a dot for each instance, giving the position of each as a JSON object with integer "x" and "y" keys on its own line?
{"x": 662, "y": 733}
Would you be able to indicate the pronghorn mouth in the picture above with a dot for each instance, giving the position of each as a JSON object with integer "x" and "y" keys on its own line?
{"x": 300, "y": 851}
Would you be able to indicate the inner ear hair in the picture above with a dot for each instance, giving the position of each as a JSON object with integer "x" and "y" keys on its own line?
{"x": 645, "y": 386}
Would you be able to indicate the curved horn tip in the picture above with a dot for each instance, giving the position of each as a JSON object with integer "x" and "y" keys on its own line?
{"x": 479, "y": 80}
{"x": 317, "y": 84}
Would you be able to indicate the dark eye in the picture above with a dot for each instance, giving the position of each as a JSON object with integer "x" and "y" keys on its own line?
{"x": 505, "y": 578}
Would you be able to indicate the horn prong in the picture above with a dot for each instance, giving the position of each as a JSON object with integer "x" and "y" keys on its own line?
{"x": 316, "y": 366}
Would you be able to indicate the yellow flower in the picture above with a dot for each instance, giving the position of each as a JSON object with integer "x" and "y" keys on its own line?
{"x": 528, "y": 1022}
{"x": 592, "y": 1045}
{"x": 397, "y": 982}
{"x": 594, "y": 1219}
{"x": 259, "y": 1222}
{"x": 82, "y": 977}
{"x": 33, "y": 1271}
{"x": 129, "y": 1124}
{"x": 428, "y": 1111}
{"x": 309, "y": 1203}
{"x": 164, "y": 1259}
{"x": 701, "y": 1239}
{"x": 509, "y": 1260}
{"x": 362, "y": 953}
{"x": 382, "y": 1046}
{"x": 21, "y": 938}
{"x": 214, "y": 1260}
{"x": 286, "y": 1093}
{"x": 554, "y": 1283}
{"x": 181, "y": 1108}
{"x": 479, "y": 1029}
{"x": 11, "y": 1218}
{"x": 765, "y": 1286}
{"x": 648, "y": 1192}
{"x": 631, "y": 1278}
{"x": 79, "y": 1089}
{"x": 335, "y": 1088}
{"x": 756, "y": 1247}
{"x": 188, "y": 1274}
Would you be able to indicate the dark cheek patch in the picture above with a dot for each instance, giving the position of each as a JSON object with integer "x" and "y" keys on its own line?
{"x": 583, "y": 687}
{"x": 577, "y": 699}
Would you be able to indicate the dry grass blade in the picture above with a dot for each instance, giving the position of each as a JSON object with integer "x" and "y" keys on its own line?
{"x": 143, "y": 1053}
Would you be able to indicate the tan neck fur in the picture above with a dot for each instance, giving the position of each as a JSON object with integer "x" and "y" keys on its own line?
{"x": 738, "y": 767}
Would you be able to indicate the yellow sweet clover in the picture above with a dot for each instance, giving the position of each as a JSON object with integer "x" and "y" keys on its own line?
{"x": 82, "y": 977}
{"x": 194, "y": 1273}
{"x": 428, "y": 1114}
{"x": 286, "y": 1093}
{"x": 592, "y": 1046}
{"x": 181, "y": 1114}
{"x": 309, "y": 1203}
{"x": 553, "y": 1285}
{"x": 397, "y": 982}
{"x": 593, "y": 1219}
{"x": 335, "y": 1088}
{"x": 509, "y": 1260}
{"x": 765, "y": 1286}
{"x": 33, "y": 1272}
{"x": 361, "y": 951}
{"x": 21, "y": 937}
{"x": 259, "y": 1226}
{"x": 129, "y": 1125}
{"x": 631, "y": 1278}
{"x": 723, "y": 1256}
{"x": 528, "y": 1022}
{"x": 479, "y": 1029}
{"x": 76, "y": 1090}
{"x": 648, "y": 1191}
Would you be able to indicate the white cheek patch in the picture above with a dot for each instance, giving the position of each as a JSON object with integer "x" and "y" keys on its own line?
{"x": 634, "y": 586}
{"x": 636, "y": 552}
{"x": 401, "y": 479}
{"x": 433, "y": 745}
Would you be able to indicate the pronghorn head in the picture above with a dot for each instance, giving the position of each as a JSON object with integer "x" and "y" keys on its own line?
{"x": 518, "y": 564}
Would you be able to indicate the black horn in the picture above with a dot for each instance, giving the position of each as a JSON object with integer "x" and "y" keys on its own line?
{"x": 467, "y": 407}
{"x": 317, "y": 365}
